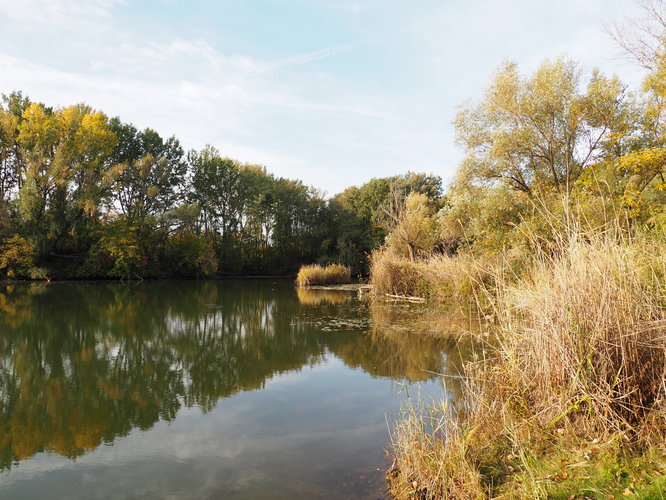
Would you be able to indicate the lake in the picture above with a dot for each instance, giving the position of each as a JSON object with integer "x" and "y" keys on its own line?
{"x": 240, "y": 389}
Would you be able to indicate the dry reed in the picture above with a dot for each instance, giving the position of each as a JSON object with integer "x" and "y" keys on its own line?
{"x": 439, "y": 277}
{"x": 581, "y": 350}
{"x": 333, "y": 274}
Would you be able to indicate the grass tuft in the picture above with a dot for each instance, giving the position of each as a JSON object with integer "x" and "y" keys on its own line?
{"x": 333, "y": 274}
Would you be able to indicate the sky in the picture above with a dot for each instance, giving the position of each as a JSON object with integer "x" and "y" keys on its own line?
{"x": 332, "y": 92}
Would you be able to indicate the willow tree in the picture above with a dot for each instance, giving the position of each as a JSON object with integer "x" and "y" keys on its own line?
{"x": 539, "y": 134}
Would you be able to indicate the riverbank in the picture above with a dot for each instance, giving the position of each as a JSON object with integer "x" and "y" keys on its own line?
{"x": 569, "y": 402}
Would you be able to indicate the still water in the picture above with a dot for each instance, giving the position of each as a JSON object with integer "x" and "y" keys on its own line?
{"x": 213, "y": 389}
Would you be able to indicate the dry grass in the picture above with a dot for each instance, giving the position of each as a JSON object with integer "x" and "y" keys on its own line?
{"x": 431, "y": 459}
{"x": 584, "y": 333}
{"x": 333, "y": 274}
{"x": 439, "y": 277}
{"x": 580, "y": 355}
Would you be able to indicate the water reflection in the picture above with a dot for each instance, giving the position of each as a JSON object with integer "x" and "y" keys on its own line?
{"x": 317, "y": 296}
{"x": 82, "y": 364}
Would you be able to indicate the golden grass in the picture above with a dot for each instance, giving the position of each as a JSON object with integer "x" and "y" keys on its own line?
{"x": 333, "y": 274}
{"x": 580, "y": 355}
{"x": 431, "y": 460}
{"x": 439, "y": 277}
{"x": 584, "y": 332}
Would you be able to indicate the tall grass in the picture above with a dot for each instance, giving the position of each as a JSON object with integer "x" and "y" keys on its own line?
{"x": 580, "y": 353}
{"x": 584, "y": 332}
{"x": 333, "y": 274}
{"x": 439, "y": 277}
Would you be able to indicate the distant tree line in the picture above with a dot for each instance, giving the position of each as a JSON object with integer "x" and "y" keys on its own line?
{"x": 86, "y": 196}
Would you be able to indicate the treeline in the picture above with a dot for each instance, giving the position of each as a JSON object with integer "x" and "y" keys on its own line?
{"x": 82, "y": 195}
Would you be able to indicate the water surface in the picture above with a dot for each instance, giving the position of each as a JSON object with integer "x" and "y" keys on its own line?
{"x": 214, "y": 389}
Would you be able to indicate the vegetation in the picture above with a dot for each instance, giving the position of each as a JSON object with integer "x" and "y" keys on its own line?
{"x": 579, "y": 361}
{"x": 82, "y": 195}
{"x": 555, "y": 224}
{"x": 333, "y": 274}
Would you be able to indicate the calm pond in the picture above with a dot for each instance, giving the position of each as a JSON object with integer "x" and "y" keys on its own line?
{"x": 206, "y": 389}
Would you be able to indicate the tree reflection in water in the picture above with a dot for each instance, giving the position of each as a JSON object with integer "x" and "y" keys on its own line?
{"x": 84, "y": 363}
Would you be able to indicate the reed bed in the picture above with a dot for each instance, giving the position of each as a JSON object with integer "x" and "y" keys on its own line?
{"x": 333, "y": 274}
{"x": 439, "y": 277}
{"x": 579, "y": 358}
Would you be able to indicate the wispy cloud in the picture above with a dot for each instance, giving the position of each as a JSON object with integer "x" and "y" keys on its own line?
{"x": 313, "y": 56}
{"x": 377, "y": 105}
{"x": 56, "y": 11}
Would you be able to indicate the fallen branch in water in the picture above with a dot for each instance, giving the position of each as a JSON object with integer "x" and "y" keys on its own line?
{"x": 406, "y": 298}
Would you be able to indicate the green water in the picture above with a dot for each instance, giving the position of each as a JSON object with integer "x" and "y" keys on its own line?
{"x": 214, "y": 389}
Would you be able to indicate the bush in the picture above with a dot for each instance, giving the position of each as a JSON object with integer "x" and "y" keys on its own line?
{"x": 191, "y": 255}
{"x": 586, "y": 327}
{"x": 333, "y": 274}
{"x": 17, "y": 256}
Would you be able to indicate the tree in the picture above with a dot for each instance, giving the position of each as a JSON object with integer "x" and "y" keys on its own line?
{"x": 215, "y": 188}
{"x": 66, "y": 175}
{"x": 360, "y": 212}
{"x": 539, "y": 134}
{"x": 411, "y": 226}
{"x": 16, "y": 256}
{"x": 152, "y": 172}
{"x": 644, "y": 167}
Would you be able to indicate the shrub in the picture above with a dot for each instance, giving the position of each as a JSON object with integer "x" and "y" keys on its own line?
{"x": 191, "y": 255}
{"x": 440, "y": 277}
{"x": 17, "y": 256}
{"x": 585, "y": 330}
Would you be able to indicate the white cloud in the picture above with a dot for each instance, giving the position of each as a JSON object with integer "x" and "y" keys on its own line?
{"x": 311, "y": 56}
{"x": 378, "y": 105}
{"x": 57, "y": 11}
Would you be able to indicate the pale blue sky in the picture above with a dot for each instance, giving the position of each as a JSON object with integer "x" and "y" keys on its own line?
{"x": 333, "y": 92}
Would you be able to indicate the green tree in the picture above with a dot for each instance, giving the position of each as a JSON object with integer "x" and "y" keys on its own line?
{"x": 539, "y": 134}
{"x": 67, "y": 176}
{"x": 152, "y": 172}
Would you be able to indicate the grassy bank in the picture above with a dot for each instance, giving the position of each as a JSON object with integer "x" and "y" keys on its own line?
{"x": 570, "y": 400}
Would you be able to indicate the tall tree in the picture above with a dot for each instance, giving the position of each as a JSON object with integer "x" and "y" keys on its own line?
{"x": 66, "y": 176}
{"x": 152, "y": 174}
{"x": 539, "y": 134}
